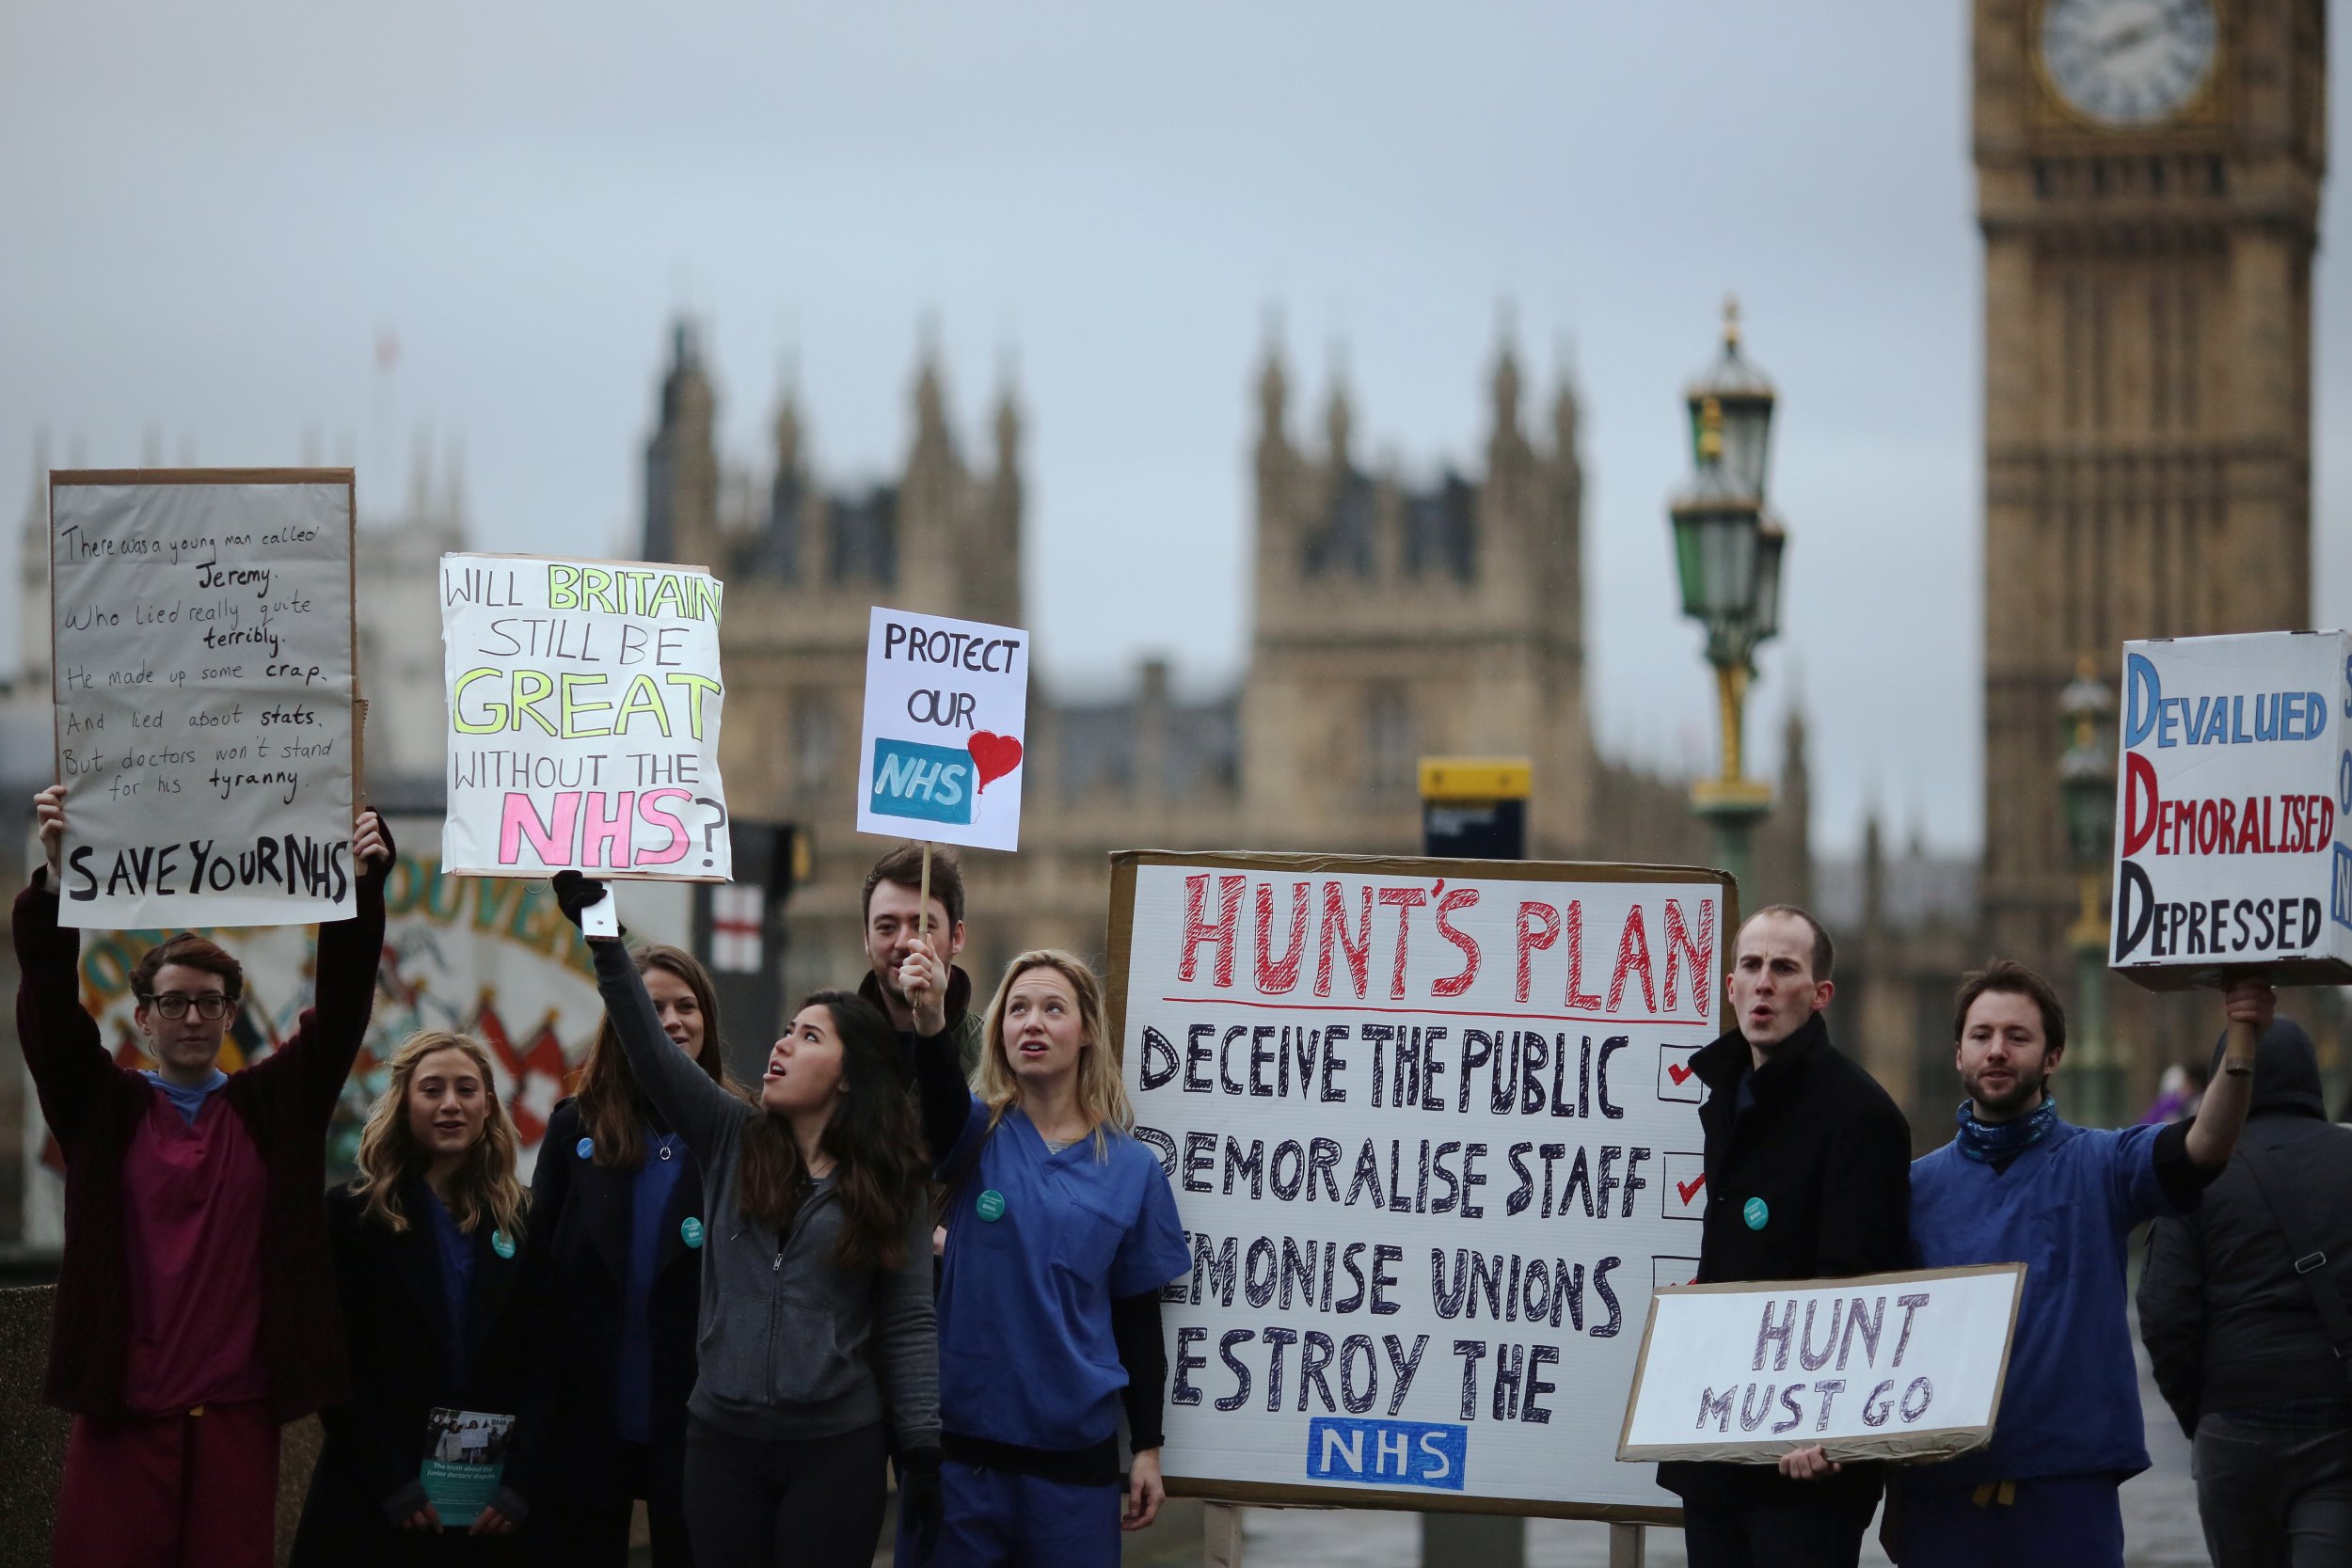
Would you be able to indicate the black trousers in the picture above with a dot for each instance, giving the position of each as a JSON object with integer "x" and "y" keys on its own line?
{"x": 811, "y": 1503}
{"x": 1823, "y": 1534}
{"x": 569, "y": 1536}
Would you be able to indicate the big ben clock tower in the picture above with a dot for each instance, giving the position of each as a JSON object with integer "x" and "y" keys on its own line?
{"x": 2148, "y": 176}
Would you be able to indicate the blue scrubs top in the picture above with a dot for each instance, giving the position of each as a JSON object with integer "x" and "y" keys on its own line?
{"x": 1025, "y": 1354}
{"x": 455, "y": 1249}
{"x": 2065, "y": 1208}
{"x": 649, "y": 1202}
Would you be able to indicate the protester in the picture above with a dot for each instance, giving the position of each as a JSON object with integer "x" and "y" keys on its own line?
{"x": 1807, "y": 1164}
{"x": 893, "y": 904}
{"x": 2019, "y": 1184}
{"x": 816, "y": 1320}
{"x": 618, "y": 1218}
{"x": 2179, "y": 1092}
{"x": 1061, "y": 1233}
{"x": 437, "y": 1312}
{"x": 196, "y": 1305}
{"x": 2247, "y": 1319}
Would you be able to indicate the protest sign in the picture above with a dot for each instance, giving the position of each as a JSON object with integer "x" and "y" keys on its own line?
{"x": 201, "y": 630}
{"x": 2231, "y": 804}
{"x": 1434, "y": 1134}
{"x": 1886, "y": 1366}
{"x": 946, "y": 706}
{"x": 584, "y": 699}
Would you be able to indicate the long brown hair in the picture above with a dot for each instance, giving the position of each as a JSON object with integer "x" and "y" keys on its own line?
{"x": 873, "y": 1139}
{"x": 485, "y": 1185}
{"x": 1102, "y": 1098}
{"x": 613, "y": 1109}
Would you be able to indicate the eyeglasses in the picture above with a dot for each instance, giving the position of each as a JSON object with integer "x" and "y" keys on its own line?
{"x": 212, "y": 1006}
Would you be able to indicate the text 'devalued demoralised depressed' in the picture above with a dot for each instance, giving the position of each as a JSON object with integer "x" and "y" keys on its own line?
{"x": 1424, "y": 1131}
{"x": 201, "y": 625}
{"x": 1890, "y": 1366}
{"x": 946, "y": 712}
{"x": 584, "y": 699}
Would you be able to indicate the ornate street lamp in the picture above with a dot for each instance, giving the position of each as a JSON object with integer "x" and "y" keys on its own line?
{"x": 2087, "y": 807}
{"x": 1728, "y": 560}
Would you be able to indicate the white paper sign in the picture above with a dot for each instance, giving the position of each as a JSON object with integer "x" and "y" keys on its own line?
{"x": 946, "y": 708}
{"x": 2232, "y": 802}
{"x": 1433, "y": 1130}
{"x": 203, "y": 690}
{"x": 584, "y": 699}
{"x": 1882, "y": 1366}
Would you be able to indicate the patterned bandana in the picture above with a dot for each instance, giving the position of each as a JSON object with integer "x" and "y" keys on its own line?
{"x": 1992, "y": 1142}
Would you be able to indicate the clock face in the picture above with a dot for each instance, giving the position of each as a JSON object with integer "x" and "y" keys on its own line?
{"x": 2127, "y": 62}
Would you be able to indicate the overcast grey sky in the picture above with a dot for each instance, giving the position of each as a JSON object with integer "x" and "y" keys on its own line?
{"x": 213, "y": 211}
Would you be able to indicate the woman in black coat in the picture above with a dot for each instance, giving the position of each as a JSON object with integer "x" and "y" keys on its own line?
{"x": 439, "y": 1314}
{"x": 617, "y": 1226}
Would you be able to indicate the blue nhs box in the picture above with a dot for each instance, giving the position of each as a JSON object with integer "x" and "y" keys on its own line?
{"x": 929, "y": 783}
{"x": 1387, "y": 1453}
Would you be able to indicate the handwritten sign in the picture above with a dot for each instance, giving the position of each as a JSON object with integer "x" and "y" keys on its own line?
{"x": 2232, "y": 802}
{"x": 1432, "y": 1130}
{"x": 946, "y": 703}
{"x": 584, "y": 699}
{"x": 203, "y": 686}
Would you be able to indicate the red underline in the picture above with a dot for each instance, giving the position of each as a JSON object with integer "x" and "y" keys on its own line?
{"x": 1423, "y": 1012}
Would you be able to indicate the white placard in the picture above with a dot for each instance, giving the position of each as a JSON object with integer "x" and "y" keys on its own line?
{"x": 946, "y": 714}
{"x": 203, "y": 690}
{"x": 1432, "y": 1130}
{"x": 2233, "y": 800}
{"x": 584, "y": 699}
{"x": 1882, "y": 1367}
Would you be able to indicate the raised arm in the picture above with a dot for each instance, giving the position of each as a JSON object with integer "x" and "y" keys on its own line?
{"x": 60, "y": 1038}
{"x": 2221, "y": 1115}
{"x": 344, "y": 997}
{"x": 705, "y": 1114}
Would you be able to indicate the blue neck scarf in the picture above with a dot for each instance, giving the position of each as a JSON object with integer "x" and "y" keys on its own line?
{"x": 1992, "y": 1142}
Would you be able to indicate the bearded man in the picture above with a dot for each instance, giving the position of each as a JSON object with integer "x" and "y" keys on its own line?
{"x": 2018, "y": 1184}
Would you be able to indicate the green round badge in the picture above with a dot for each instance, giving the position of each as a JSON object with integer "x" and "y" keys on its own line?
{"x": 990, "y": 1206}
{"x": 689, "y": 1230}
{"x": 501, "y": 1243}
{"x": 1756, "y": 1213}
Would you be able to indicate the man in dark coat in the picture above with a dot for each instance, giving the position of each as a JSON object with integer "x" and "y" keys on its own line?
{"x": 1808, "y": 1177}
{"x": 2234, "y": 1329}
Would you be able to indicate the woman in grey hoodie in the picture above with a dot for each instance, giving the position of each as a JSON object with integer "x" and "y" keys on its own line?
{"x": 815, "y": 1323}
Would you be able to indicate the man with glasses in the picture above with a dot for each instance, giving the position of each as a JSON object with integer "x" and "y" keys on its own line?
{"x": 195, "y": 1302}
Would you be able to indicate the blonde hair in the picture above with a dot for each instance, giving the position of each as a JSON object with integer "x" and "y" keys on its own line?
{"x": 485, "y": 1184}
{"x": 1102, "y": 1097}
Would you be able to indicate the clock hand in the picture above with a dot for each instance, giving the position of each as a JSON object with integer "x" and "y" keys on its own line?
{"x": 2124, "y": 38}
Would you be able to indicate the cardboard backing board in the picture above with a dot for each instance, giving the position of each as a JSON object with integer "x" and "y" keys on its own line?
{"x": 1918, "y": 1443}
{"x": 1618, "y": 1492}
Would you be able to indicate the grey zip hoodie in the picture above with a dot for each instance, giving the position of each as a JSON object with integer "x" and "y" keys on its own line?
{"x": 789, "y": 1344}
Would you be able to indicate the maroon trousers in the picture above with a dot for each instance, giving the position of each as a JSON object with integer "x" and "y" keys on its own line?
{"x": 198, "y": 1490}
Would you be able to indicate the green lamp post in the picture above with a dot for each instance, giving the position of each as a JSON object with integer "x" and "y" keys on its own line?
{"x": 2087, "y": 806}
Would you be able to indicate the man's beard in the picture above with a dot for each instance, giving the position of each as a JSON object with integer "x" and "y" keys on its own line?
{"x": 886, "y": 976}
{"x": 2026, "y": 1093}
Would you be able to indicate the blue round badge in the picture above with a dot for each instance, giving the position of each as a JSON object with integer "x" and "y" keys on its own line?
{"x": 585, "y": 1149}
{"x": 1756, "y": 1213}
{"x": 689, "y": 1230}
{"x": 990, "y": 1206}
{"x": 501, "y": 1243}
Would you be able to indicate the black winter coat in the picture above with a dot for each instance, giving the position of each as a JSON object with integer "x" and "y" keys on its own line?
{"x": 395, "y": 1325}
{"x": 580, "y": 1225}
{"x": 1813, "y": 1181}
{"x": 2228, "y": 1321}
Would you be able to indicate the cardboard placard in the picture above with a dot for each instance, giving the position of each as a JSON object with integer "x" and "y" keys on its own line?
{"x": 2233, "y": 810}
{"x": 1884, "y": 1365}
{"x": 584, "y": 703}
{"x": 202, "y": 640}
{"x": 1432, "y": 1129}
{"x": 946, "y": 711}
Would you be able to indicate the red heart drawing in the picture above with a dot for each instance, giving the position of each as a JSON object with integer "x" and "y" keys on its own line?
{"x": 1679, "y": 1074}
{"x": 1690, "y": 1189}
{"x": 995, "y": 755}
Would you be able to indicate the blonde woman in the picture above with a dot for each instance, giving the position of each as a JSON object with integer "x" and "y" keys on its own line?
{"x": 437, "y": 1313}
{"x": 1061, "y": 1230}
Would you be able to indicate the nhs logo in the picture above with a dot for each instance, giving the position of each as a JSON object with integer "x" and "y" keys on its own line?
{"x": 930, "y": 783}
{"x": 1387, "y": 1453}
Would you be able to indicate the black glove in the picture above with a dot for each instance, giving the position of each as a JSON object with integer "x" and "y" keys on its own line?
{"x": 574, "y": 892}
{"x": 921, "y": 1505}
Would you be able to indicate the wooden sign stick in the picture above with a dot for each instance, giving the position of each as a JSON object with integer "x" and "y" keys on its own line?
{"x": 923, "y": 901}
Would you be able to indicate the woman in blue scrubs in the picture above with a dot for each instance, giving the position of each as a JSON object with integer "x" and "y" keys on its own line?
{"x": 1061, "y": 1231}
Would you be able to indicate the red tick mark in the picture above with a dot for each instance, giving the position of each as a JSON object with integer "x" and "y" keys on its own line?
{"x": 1678, "y": 1073}
{"x": 1690, "y": 1189}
